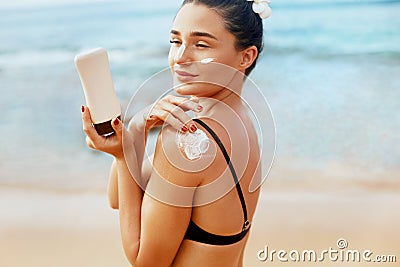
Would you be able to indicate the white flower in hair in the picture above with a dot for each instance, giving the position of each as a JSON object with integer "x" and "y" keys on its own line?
{"x": 261, "y": 7}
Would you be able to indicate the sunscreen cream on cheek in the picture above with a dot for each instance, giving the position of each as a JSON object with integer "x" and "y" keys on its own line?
{"x": 206, "y": 61}
{"x": 94, "y": 71}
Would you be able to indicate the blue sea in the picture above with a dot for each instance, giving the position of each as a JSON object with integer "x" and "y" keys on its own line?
{"x": 330, "y": 71}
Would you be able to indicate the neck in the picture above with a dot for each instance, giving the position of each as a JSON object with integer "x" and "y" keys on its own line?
{"x": 226, "y": 97}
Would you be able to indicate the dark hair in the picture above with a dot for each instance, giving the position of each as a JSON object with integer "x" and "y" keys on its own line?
{"x": 240, "y": 20}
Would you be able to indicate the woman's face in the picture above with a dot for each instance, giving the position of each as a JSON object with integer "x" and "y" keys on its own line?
{"x": 198, "y": 33}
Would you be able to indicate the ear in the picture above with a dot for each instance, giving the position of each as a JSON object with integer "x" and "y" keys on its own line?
{"x": 248, "y": 56}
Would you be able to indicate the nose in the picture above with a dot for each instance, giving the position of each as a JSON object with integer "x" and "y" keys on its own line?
{"x": 182, "y": 55}
{"x": 180, "y": 52}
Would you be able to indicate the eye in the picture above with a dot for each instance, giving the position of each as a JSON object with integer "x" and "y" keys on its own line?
{"x": 202, "y": 45}
{"x": 175, "y": 42}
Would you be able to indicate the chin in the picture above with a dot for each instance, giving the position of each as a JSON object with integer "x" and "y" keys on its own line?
{"x": 197, "y": 89}
{"x": 187, "y": 89}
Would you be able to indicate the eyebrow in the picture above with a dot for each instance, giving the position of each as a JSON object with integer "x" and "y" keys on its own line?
{"x": 196, "y": 33}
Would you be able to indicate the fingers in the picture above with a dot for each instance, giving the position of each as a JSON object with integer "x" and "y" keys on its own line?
{"x": 184, "y": 103}
{"x": 88, "y": 127}
{"x": 168, "y": 118}
{"x": 177, "y": 112}
{"x": 195, "y": 99}
{"x": 117, "y": 126}
{"x": 111, "y": 144}
{"x": 171, "y": 110}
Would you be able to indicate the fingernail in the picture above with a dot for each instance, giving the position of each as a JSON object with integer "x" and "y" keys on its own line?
{"x": 152, "y": 116}
{"x": 83, "y": 109}
{"x": 193, "y": 128}
{"x": 199, "y": 108}
{"x": 184, "y": 129}
{"x": 116, "y": 122}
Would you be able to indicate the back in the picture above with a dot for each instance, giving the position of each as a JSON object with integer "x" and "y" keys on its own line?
{"x": 216, "y": 205}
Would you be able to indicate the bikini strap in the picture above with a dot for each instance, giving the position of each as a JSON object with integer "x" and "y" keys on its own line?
{"x": 246, "y": 223}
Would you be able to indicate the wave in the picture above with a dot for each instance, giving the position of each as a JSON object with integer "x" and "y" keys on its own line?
{"x": 271, "y": 49}
{"x": 121, "y": 57}
{"x": 304, "y": 4}
{"x": 326, "y": 33}
{"x": 52, "y": 57}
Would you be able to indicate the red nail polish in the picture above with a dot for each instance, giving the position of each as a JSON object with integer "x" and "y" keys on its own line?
{"x": 193, "y": 128}
{"x": 83, "y": 109}
{"x": 184, "y": 129}
{"x": 152, "y": 116}
{"x": 116, "y": 122}
{"x": 199, "y": 108}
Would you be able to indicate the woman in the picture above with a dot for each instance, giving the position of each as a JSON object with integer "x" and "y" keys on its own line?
{"x": 193, "y": 212}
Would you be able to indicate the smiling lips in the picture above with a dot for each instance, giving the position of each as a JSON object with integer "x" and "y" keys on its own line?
{"x": 184, "y": 76}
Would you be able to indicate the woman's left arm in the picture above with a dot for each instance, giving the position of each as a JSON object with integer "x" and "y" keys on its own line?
{"x": 151, "y": 229}
{"x": 138, "y": 130}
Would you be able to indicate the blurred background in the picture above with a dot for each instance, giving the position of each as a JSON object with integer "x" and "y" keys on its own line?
{"x": 330, "y": 71}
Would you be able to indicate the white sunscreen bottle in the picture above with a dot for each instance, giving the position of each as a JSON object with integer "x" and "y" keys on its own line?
{"x": 94, "y": 71}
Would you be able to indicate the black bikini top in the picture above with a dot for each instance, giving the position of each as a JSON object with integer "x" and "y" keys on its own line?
{"x": 194, "y": 232}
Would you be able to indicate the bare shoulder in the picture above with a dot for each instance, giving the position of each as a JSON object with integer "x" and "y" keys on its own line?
{"x": 237, "y": 137}
{"x": 218, "y": 128}
{"x": 170, "y": 163}
{"x": 194, "y": 159}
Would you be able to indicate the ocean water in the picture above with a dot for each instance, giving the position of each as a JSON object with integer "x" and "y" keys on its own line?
{"x": 330, "y": 71}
